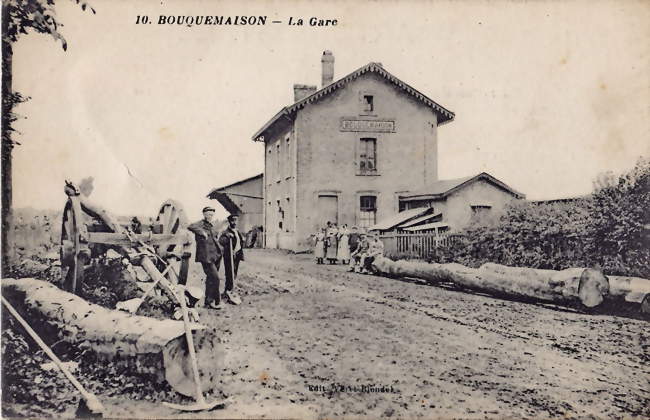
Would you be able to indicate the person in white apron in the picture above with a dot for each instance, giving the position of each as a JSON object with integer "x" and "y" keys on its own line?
{"x": 319, "y": 246}
{"x": 343, "y": 252}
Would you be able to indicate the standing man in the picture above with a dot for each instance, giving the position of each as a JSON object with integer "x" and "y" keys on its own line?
{"x": 353, "y": 243}
{"x": 232, "y": 240}
{"x": 208, "y": 254}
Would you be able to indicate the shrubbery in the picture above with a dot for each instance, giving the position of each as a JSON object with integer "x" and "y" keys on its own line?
{"x": 609, "y": 229}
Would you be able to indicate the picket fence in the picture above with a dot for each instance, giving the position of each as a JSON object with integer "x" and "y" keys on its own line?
{"x": 420, "y": 245}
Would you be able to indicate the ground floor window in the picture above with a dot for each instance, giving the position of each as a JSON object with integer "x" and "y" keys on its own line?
{"x": 480, "y": 212}
{"x": 481, "y": 208}
{"x": 368, "y": 210}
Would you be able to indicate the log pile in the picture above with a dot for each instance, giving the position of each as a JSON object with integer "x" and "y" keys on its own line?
{"x": 586, "y": 287}
{"x": 147, "y": 345}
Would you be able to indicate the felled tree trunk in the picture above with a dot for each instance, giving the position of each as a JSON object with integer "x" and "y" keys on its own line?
{"x": 147, "y": 345}
{"x": 586, "y": 286}
{"x": 630, "y": 289}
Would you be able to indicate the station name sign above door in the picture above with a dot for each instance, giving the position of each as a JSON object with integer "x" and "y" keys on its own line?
{"x": 372, "y": 126}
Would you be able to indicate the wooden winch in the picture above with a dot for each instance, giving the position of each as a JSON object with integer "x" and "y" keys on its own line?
{"x": 88, "y": 231}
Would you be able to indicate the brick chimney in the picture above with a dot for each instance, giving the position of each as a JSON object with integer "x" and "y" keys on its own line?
{"x": 327, "y": 62}
{"x": 302, "y": 91}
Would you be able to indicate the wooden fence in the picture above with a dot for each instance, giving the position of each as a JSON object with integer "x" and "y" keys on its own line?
{"x": 417, "y": 245}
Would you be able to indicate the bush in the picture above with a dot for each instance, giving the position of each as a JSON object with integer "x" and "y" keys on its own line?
{"x": 607, "y": 229}
{"x": 620, "y": 222}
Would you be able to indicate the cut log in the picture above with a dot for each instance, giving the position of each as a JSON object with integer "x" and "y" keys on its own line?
{"x": 588, "y": 285}
{"x": 629, "y": 293}
{"x": 148, "y": 345}
{"x": 629, "y": 289}
{"x": 584, "y": 286}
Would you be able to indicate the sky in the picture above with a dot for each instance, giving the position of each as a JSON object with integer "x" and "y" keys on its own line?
{"x": 547, "y": 94}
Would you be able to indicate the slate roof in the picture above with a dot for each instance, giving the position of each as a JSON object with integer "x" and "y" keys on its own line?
{"x": 426, "y": 227}
{"x": 400, "y": 218}
{"x": 420, "y": 219}
{"x": 444, "y": 115}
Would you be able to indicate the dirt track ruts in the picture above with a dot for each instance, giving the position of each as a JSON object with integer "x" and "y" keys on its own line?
{"x": 446, "y": 353}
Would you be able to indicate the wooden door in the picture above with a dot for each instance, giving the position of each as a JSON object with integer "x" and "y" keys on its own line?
{"x": 328, "y": 210}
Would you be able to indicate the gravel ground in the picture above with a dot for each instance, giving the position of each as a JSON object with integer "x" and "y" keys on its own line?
{"x": 312, "y": 341}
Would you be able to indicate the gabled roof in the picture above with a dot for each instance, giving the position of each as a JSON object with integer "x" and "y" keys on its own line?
{"x": 443, "y": 188}
{"x": 444, "y": 115}
{"x": 401, "y": 217}
{"x": 212, "y": 193}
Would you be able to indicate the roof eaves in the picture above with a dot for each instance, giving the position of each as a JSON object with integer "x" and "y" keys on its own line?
{"x": 408, "y": 197}
{"x": 373, "y": 67}
{"x": 408, "y": 88}
{"x": 220, "y": 189}
{"x": 258, "y": 136}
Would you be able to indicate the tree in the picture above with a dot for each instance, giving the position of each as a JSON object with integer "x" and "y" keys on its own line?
{"x": 19, "y": 16}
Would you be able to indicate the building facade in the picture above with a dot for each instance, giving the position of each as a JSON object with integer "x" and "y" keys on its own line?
{"x": 345, "y": 153}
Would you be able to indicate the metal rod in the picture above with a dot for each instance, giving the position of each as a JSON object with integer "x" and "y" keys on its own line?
{"x": 90, "y": 398}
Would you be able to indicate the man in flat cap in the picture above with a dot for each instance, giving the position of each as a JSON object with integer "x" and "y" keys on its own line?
{"x": 208, "y": 253}
{"x": 232, "y": 243}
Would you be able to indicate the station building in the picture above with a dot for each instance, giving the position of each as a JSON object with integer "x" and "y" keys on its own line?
{"x": 346, "y": 152}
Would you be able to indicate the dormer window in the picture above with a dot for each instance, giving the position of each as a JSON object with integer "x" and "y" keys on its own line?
{"x": 368, "y": 103}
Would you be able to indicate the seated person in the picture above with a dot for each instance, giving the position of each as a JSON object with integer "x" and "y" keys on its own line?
{"x": 376, "y": 249}
{"x": 357, "y": 256}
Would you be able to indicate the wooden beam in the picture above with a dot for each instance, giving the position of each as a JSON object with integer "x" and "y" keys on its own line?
{"x": 110, "y": 238}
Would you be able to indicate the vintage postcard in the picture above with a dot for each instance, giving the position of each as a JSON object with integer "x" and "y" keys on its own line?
{"x": 325, "y": 209}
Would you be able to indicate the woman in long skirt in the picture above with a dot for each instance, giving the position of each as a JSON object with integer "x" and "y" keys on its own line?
{"x": 319, "y": 246}
{"x": 331, "y": 243}
{"x": 344, "y": 248}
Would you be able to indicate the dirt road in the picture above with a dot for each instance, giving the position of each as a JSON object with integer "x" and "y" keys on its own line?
{"x": 313, "y": 340}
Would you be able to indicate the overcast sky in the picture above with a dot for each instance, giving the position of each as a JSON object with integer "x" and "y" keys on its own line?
{"x": 546, "y": 94}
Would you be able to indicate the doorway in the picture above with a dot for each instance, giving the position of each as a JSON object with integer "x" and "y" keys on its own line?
{"x": 327, "y": 210}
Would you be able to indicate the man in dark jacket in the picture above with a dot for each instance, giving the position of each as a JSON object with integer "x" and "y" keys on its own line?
{"x": 208, "y": 253}
{"x": 232, "y": 240}
{"x": 353, "y": 243}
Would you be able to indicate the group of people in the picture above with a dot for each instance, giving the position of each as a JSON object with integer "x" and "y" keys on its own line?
{"x": 354, "y": 247}
{"x": 211, "y": 246}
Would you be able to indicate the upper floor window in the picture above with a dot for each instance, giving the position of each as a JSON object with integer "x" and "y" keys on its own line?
{"x": 368, "y": 156}
{"x": 277, "y": 161}
{"x": 269, "y": 166}
{"x": 287, "y": 149}
{"x": 368, "y": 103}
